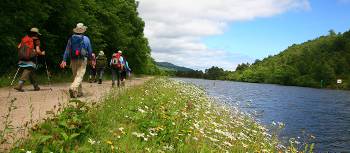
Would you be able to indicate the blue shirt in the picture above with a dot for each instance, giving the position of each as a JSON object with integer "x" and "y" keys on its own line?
{"x": 86, "y": 46}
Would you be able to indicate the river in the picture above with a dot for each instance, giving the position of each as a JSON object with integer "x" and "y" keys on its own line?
{"x": 323, "y": 113}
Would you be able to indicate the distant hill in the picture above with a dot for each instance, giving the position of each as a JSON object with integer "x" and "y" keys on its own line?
{"x": 172, "y": 67}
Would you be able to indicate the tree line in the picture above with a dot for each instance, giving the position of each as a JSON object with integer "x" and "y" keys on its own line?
{"x": 315, "y": 63}
{"x": 112, "y": 25}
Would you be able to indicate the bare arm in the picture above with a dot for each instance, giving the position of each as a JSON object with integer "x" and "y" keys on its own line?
{"x": 39, "y": 51}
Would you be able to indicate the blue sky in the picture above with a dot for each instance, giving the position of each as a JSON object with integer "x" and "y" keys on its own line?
{"x": 261, "y": 37}
{"x": 202, "y": 33}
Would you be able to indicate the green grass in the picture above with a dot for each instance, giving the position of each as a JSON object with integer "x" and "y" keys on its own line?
{"x": 160, "y": 116}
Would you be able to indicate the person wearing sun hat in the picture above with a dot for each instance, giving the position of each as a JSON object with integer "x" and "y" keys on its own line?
{"x": 28, "y": 61}
{"x": 101, "y": 63}
{"x": 79, "y": 51}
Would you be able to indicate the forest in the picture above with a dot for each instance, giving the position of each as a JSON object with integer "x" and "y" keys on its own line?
{"x": 112, "y": 25}
{"x": 316, "y": 63}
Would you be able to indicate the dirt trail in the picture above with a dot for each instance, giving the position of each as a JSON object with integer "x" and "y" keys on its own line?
{"x": 46, "y": 100}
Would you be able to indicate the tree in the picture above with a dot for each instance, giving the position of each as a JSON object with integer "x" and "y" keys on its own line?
{"x": 214, "y": 73}
{"x": 112, "y": 25}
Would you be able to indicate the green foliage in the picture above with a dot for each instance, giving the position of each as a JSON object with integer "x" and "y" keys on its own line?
{"x": 214, "y": 73}
{"x": 325, "y": 59}
{"x": 62, "y": 133}
{"x": 112, "y": 25}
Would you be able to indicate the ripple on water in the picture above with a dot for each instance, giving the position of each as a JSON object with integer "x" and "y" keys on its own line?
{"x": 323, "y": 113}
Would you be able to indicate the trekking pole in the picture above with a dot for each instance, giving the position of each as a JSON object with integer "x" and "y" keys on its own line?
{"x": 14, "y": 78}
{"x": 47, "y": 73}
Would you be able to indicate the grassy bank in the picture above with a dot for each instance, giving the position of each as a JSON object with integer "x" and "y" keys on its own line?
{"x": 160, "y": 116}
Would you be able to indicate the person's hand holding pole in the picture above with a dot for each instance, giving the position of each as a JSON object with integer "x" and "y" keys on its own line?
{"x": 63, "y": 64}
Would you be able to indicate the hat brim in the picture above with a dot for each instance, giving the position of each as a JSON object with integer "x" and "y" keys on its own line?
{"x": 79, "y": 30}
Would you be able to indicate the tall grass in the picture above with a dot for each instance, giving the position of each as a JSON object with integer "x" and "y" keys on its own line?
{"x": 160, "y": 116}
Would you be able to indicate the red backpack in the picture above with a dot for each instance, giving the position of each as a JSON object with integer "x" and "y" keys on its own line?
{"x": 26, "y": 49}
{"x": 116, "y": 62}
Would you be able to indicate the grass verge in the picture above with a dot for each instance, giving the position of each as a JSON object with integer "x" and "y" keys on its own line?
{"x": 160, "y": 116}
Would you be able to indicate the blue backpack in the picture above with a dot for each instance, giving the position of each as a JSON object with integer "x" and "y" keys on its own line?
{"x": 77, "y": 47}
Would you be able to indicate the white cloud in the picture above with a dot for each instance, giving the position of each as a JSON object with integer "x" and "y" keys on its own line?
{"x": 175, "y": 27}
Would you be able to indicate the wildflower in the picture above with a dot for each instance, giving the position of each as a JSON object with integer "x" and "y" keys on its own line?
{"x": 109, "y": 142}
{"x": 141, "y": 110}
{"x": 280, "y": 146}
{"x": 167, "y": 147}
{"x": 273, "y": 123}
{"x": 121, "y": 129}
{"x": 138, "y": 134}
{"x": 281, "y": 124}
{"x": 228, "y": 144}
{"x": 195, "y": 138}
{"x": 28, "y": 151}
{"x": 160, "y": 151}
{"x": 152, "y": 134}
{"x": 213, "y": 139}
{"x": 92, "y": 142}
{"x": 244, "y": 145}
{"x": 312, "y": 137}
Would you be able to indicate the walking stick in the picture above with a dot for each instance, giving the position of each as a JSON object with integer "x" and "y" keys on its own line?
{"x": 14, "y": 78}
{"x": 47, "y": 73}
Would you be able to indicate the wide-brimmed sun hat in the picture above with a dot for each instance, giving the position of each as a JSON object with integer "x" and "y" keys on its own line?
{"x": 80, "y": 28}
{"x": 101, "y": 53}
{"x": 36, "y": 30}
{"x": 119, "y": 51}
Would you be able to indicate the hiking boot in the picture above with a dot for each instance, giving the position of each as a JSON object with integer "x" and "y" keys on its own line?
{"x": 100, "y": 81}
{"x": 73, "y": 94}
{"x": 36, "y": 88}
{"x": 19, "y": 88}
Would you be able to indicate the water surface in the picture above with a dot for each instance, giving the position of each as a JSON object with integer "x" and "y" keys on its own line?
{"x": 322, "y": 113}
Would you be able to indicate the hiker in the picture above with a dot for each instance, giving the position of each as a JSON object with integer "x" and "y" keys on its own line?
{"x": 126, "y": 71}
{"x": 28, "y": 50}
{"x": 92, "y": 69}
{"x": 116, "y": 67}
{"x": 101, "y": 63}
{"x": 79, "y": 50}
